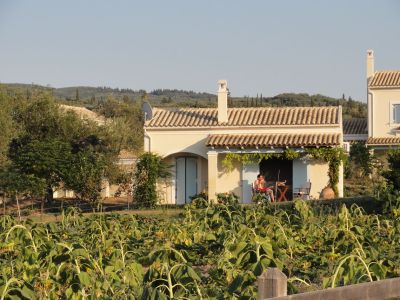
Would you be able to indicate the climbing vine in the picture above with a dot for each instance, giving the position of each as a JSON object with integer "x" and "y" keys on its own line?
{"x": 333, "y": 156}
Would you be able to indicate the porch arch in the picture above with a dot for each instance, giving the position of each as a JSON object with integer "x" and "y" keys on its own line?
{"x": 189, "y": 176}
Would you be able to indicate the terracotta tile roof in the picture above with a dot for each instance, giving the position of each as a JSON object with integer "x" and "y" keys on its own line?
{"x": 395, "y": 140}
{"x": 385, "y": 79}
{"x": 273, "y": 140}
{"x": 355, "y": 126}
{"x": 261, "y": 116}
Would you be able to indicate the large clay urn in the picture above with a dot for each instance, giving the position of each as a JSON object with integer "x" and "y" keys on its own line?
{"x": 327, "y": 193}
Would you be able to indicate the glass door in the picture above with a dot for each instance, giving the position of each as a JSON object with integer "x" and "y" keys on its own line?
{"x": 186, "y": 179}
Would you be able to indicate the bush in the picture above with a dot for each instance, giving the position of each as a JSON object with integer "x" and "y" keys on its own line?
{"x": 361, "y": 159}
{"x": 199, "y": 200}
{"x": 149, "y": 168}
{"x": 227, "y": 198}
{"x": 393, "y": 174}
{"x": 368, "y": 204}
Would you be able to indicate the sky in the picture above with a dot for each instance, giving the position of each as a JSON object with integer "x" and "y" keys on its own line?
{"x": 260, "y": 47}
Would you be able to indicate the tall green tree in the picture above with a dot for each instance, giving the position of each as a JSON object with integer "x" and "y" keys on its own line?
{"x": 9, "y": 128}
{"x": 57, "y": 147}
{"x": 46, "y": 160}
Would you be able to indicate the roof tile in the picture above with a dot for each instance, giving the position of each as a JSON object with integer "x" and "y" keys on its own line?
{"x": 383, "y": 141}
{"x": 355, "y": 126}
{"x": 273, "y": 140}
{"x": 385, "y": 79}
{"x": 261, "y": 116}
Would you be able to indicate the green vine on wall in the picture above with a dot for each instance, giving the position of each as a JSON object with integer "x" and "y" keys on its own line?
{"x": 333, "y": 156}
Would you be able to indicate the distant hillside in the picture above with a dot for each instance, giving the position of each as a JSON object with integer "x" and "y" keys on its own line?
{"x": 91, "y": 97}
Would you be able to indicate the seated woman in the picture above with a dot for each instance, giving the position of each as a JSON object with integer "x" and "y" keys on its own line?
{"x": 259, "y": 186}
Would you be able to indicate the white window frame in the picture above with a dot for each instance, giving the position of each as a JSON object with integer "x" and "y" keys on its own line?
{"x": 391, "y": 112}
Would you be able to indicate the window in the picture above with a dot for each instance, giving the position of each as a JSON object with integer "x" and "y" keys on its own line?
{"x": 396, "y": 113}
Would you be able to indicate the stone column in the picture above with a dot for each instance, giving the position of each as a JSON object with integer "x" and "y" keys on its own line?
{"x": 212, "y": 157}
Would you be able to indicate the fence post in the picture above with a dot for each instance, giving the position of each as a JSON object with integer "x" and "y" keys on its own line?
{"x": 272, "y": 283}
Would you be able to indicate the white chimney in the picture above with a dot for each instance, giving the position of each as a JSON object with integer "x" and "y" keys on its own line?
{"x": 370, "y": 63}
{"x": 222, "y": 101}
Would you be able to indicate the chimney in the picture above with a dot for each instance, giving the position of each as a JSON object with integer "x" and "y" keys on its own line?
{"x": 370, "y": 63}
{"x": 222, "y": 101}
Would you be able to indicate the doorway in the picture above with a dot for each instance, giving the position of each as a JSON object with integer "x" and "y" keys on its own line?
{"x": 275, "y": 169}
{"x": 186, "y": 179}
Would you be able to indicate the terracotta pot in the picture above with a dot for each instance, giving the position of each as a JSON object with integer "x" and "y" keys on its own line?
{"x": 327, "y": 193}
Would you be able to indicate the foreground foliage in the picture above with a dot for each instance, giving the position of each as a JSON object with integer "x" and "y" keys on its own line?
{"x": 214, "y": 252}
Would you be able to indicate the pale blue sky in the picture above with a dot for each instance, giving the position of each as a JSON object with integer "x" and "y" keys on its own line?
{"x": 266, "y": 47}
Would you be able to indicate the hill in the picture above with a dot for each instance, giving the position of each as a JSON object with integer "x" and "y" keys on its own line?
{"x": 92, "y": 97}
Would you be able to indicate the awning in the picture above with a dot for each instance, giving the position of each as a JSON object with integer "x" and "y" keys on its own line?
{"x": 273, "y": 140}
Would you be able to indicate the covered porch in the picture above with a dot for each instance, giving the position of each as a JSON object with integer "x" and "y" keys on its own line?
{"x": 293, "y": 172}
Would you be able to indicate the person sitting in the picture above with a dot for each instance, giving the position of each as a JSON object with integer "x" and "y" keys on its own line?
{"x": 259, "y": 186}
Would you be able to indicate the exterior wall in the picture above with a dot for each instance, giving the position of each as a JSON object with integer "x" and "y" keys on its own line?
{"x": 63, "y": 193}
{"x": 166, "y": 189}
{"x": 341, "y": 181}
{"x": 229, "y": 181}
{"x": 203, "y": 176}
{"x": 318, "y": 175}
{"x": 167, "y": 143}
{"x": 381, "y": 112}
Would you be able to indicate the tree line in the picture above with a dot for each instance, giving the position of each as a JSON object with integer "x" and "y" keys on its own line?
{"x": 92, "y": 97}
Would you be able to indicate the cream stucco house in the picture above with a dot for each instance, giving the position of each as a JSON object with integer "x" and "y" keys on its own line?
{"x": 194, "y": 141}
{"x": 381, "y": 130}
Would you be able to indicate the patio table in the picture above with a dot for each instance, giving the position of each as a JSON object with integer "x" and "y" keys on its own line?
{"x": 282, "y": 189}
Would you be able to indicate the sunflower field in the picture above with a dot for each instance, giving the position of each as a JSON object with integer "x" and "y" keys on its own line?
{"x": 208, "y": 252}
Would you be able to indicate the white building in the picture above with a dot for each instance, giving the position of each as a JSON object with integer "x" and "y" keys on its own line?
{"x": 195, "y": 141}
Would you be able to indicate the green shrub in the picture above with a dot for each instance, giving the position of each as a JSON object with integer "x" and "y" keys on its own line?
{"x": 393, "y": 174}
{"x": 199, "y": 200}
{"x": 227, "y": 198}
{"x": 149, "y": 168}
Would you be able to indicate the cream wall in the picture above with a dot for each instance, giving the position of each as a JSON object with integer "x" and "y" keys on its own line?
{"x": 381, "y": 112}
{"x": 318, "y": 175}
{"x": 228, "y": 182}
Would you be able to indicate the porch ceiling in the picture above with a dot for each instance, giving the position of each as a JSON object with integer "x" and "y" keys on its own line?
{"x": 273, "y": 140}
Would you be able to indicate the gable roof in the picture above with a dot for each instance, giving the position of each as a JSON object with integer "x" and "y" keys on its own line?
{"x": 244, "y": 117}
{"x": 273, "y": 140}
{"x": 382, "y": 79}
{"x": 355, "y": 126}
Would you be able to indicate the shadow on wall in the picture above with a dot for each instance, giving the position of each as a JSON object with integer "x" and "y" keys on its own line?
{"x": 229, "y": 181}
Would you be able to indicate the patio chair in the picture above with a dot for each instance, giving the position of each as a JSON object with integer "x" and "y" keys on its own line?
{"x": 255, "y": 192}
{"x": 303, "y": 191}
